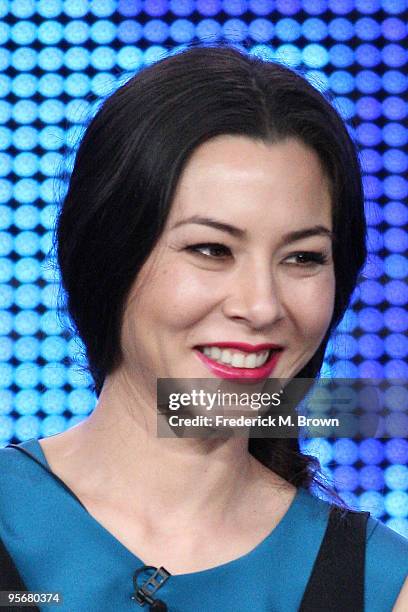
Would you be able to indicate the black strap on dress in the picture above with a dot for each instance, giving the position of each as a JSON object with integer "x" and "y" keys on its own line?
{"x": 337, "y": 580}
{"x": 336, "y": 583}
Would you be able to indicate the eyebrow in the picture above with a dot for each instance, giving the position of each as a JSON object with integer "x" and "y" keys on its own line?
{"x": 315, "y": 230}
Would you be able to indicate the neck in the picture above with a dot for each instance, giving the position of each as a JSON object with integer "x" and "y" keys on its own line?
{"x": 116, "y": 456}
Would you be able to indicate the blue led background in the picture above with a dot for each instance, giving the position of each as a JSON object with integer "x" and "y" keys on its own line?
{"x": 58, "y": 58}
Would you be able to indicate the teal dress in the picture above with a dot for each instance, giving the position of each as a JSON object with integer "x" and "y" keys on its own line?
{"x": 58, "y": 546}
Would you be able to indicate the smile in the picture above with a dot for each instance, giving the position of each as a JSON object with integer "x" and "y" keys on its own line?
{"x": 238, "y": 359}
{"x": 230, "y": 362}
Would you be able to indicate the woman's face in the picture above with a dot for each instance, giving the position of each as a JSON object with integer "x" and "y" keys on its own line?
{"x": 245, "y": 257}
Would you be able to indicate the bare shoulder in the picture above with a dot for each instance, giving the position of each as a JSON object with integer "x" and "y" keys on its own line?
{"x": 401, "y": 605}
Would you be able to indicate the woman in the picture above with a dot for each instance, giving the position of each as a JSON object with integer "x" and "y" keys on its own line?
{"x": 215, "y": 210}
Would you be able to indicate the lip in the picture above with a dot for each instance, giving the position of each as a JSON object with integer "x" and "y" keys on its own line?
{"x": 243, "y": 346}
{"x": 225, "y": 371}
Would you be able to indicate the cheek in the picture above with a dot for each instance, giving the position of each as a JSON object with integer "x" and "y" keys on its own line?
{"x": 177, "y": 298}
{"x": 314, "y": 306}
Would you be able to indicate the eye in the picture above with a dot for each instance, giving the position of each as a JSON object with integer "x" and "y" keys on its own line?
{"x": 308, "y": 258}
{"x": 218, "y": 250}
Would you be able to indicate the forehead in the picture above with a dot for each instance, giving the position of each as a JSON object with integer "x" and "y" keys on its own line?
{"x": 241, "y": 177}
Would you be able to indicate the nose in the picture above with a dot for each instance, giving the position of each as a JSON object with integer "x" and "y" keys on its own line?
{"x": 254, "y": 295}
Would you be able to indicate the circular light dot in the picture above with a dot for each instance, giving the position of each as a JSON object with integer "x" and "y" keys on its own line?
{"x": 371, "y": 346}
{"x": 234, "y": 7}
{"x": 106, "y": 8}
{"x": 287, "y": 29}
{"x": 77, "y": 85}
{"x": 77, "y": 58}
{"x": 50, "y": 32}
{"x": 396, "y": 319}
{"x": 26, "y": 243}
{"x": 396, "y": 266}
{"x": 394, "y": 108}
{"x": 395, "y": 135}
{"x": 24, "y": 85}
{"x": 341, "y": 82}
{"x": 289, "y": 54}
{"x": 27, "y": 401}
{"x": 155, "y": 8}
{"x": 27, "y": 270}
{"x": 345, "y": 451}
{"x": 49, "y": 8}
{"x": 49, "y": 323}
{"x": 368, "y": 82}
{"x": 396, "y": 292}
{"x": 344, "y": 369}
{"x": 394, "y": 55}
{"x": 366, "y": 6}
{"x": 371, "y": 451}
{"x": 371, "y": 477}
{"x": 182, "y": 7}
{"x": 370, "y": 369}
{"x": 28, "y": 296}
{"x": 371, "y": 160}
{"x": 51, "y": 85}
{"x": 341, "y": 56}
{"x": 156, "y": 30}
{"x": 24, "y": 59}
{"x": 50, "y": 164}
{"x": 396, "y": 240}
{"x": 346, "y": 478}
{"x": 208, "y": 7}
{"x": 370, "y": 319}
{"x": 81, "y": 401}
{"x": 235, "y": 30}
{"x": 373, "y": 502}
{"x": 76, "y": 8}
{"x": 27, "y": 349}
{"x": 396, "y": 504}
{"x": 393, "y": 28}
{"x": 52, "y": 425}
{"x": 261, "y": 30}
{"x": 50, "y": 58}
{"x": 396, "y": 450}
{"x": 53, "y": 375}
{"x": 130, "y": 31}
{"x": 208, "y": 29}
{"x": 394, "y": 82}
{"x": 395, "y": 160}
{"x": 315, "y": 56}
{"x": 27, "y": 427}
{"x": 53, "y": 401}
{"x": 367, "y": 28}
{"x": 341, "y": 29}
{"x": 368, "y": 55}
{"x": 396, "y": 345}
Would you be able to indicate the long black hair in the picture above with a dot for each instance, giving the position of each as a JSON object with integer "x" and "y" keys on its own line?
{"x": 127, "y": 168}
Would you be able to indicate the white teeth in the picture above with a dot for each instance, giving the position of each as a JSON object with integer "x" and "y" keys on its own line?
{"x": 225, "y": 356}
{"x": 236, "y": 359}
{"x": 250, "y": 361}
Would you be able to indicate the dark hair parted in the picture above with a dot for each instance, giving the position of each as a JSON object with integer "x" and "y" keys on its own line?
{"x": 128, "y": 165}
